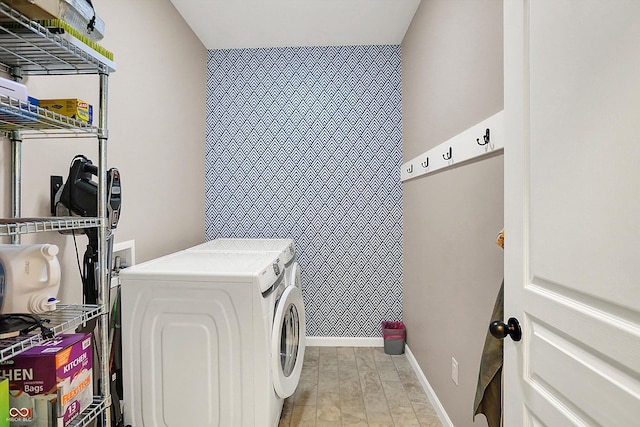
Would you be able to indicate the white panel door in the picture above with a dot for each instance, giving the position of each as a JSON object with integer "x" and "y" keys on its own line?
{"x": 572, "y": 212}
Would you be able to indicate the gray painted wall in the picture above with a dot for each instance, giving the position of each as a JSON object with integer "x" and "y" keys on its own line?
{"x": 156, "y": 136}
{"x": 453, "y": 79}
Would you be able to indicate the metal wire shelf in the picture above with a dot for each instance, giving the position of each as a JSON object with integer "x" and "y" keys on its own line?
{"x": 97, "y": 407}
{"x": 18, "y": 226}
{"x": 65, "y": 318}
{"x": 19, "y": 115}
{"x": 28, "y": 48}
{"x": 37, "y": 51}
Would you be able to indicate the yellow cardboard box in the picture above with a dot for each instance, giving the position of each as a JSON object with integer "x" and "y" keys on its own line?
{"x": 70, "y": 107}
{"x": 35, "y": 9}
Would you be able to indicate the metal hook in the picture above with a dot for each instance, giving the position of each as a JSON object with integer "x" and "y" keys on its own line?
{"x": 485, "y": 137}
{"x": 425, "y": 164}
{"x": 449, "y": 155}
{"x": 410, "y": 168}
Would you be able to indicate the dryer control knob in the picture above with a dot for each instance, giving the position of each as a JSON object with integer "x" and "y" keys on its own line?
{"x": 276, "y": 268}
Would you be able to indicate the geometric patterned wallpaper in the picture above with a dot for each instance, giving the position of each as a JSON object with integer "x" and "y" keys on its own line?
{"x": 306, "y": 143}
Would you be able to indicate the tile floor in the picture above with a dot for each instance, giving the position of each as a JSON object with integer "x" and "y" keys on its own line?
{"x": 357, "y": 386}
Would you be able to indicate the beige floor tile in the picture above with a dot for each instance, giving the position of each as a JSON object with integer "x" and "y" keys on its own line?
{"x": 403, "y": 366}
{"x": 328, "y": 407}
{"x": 310, "y": 369}
{"x": 328, "y": 367}
{"x": 303, "y": 423}
{"x": 415, "y": 391}
{"x": 351, "y": 394}
{"x": 348, "y": 371}
{"x": 404, "y": 416}
{"x": 396, "y": 395}
{"x": 376, "y": 408}
{"x": 303, "y": 414}
{"x": 329, "y": 383}
{"x": 312, "y": 350}
{"x": 405, "y": 372}
{"x": 308, "y": 380}
{"x": 354, "y": 416}
{"x": 381, "y": 423}
{"x": 370, "y": 380}
{"x": 426, "y": 414}
{"x": 400, "y": 359}
{"x": 387, "y": 371}
{"x": 346, "y": 354}
{"x": 379, "y": 355}
{"x": 311, "y": 356}
{"x": 328, "y": 350}
{"x": 328, "y": 358}
{"x": 305, "y": 397}
{"x": 357, "y": 387}
{"x": 364, "y": 358}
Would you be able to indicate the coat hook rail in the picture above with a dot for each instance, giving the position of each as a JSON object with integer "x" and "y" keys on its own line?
{"x": 489, "y": 138}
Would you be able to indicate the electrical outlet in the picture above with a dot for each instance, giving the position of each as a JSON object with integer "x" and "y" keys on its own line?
{"x": 55, "y": 182}
{"x": 454, "y": 371}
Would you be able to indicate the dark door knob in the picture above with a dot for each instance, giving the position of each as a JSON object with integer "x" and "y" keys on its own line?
{"x": 499, "y": 330}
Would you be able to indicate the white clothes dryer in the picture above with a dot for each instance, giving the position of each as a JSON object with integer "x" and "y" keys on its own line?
{"x": 200, "y": 330}
{"x": 286, "y": 247}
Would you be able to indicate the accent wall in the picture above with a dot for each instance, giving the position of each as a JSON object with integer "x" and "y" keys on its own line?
{"x": 306, "y": 143}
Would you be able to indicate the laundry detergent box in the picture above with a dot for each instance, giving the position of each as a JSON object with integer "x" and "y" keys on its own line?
{"x": 50, "y": 384}
{"x": 71, "y": 107}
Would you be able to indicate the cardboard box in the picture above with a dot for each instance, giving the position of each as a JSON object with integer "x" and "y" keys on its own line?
{"x": 71, "y": 107}
{"x": 49, "y": 385}
{"x": 13, "y": 89}
{"x": 76, "y": 13}
{"x": 44, "y": 9}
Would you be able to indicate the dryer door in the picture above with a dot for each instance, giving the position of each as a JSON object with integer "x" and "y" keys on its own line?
{"x": 288, "y": 342}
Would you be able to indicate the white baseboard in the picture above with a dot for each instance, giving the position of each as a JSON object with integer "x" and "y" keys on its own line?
{"x": 344, "y": 342}
{"x": 431, "y": 394}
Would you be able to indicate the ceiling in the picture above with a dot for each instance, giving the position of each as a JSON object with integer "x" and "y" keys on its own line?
{"x": 237, "y": 24}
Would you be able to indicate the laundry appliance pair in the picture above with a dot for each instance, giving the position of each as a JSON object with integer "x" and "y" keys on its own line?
{"x": 213, "y": 336}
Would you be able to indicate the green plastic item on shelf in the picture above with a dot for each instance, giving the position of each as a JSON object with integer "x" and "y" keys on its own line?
{"x": 4, "y": 403}
{"x": 55, "y": 25}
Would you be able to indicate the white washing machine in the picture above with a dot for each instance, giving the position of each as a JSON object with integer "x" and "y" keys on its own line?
{"x": 286, "y": 247}
{"x": 202, "y": 337}
{"x": 287, "y": 252}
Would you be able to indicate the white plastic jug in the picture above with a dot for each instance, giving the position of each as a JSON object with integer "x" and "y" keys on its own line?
{"x": 29, "y": 278}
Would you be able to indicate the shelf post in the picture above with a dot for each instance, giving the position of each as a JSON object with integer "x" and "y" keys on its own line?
{"x": 16, "y": 166}
{"x": 103, "y": 280}
{"x": 16, "y": 178}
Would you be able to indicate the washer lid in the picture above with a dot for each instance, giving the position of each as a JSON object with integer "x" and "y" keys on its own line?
{"x": 288, "y": 342}
{"x": 263, "y": 268}
{"x": 284, "y": 246}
